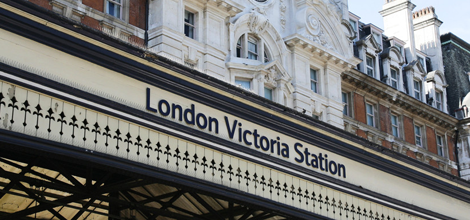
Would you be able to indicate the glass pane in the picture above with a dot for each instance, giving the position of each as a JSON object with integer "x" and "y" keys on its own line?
{"x": 252, "y": 56}
{"x": 268, "y": 93}
{"x": 370, "y": 72}
{"x": 243, "y": 83}
{"x": 313, "y": 74}
{"x": 370, "y": 120}
{"x": 394, "y": 120}
{"x": 118, "y": 11}
{"x": 394, "y": 74}
{"x": 313, "y": 86}
{"x": 189, "y": 17}
{"x": 395, "y": 131}
{"x": 252, "y": 47}
{"x": 369, "y": 109}
{"x": 111, "y": 9}
{"x": 353, "y": 24}
{"x": 439, "y": 140}
{"x": 394, "y": 84}
{"x": 369, "y": 62}
{"x": 417, "y": 130}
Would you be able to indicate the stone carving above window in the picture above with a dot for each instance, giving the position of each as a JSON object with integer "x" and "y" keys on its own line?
{"x": 257, "y": 22}
{"x": 315, "y": 31}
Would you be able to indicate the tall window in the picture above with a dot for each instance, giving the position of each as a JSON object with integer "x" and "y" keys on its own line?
{"x": 378, "y": 38}
{"x": 421, "y": 60}
{"x": 440, "y": 146}
{"x": 394, "y": 78}
{"x": 439, "y": 100}
{"x": 395, "y": 128}
{"x": 370, "y": 66}
{"x": 252, "y": 48}
{"x": 239, "y": 47}
{"x": 113, "y": 7}
{"x": 417, "y": 89}
{"x": 370, "y": 115}
{"x": 189, "y": 27}
{"x": 246, "y": 84}
{"x": 353, "y": 24}
{"x": 266, "y": 56}
{"x": 345, "y": 103}
{"x": 418, "y": 136}
{"x": 313, "y": 80}
{"x": 268, "y": 93}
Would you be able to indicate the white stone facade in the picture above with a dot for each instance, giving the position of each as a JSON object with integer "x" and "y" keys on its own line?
{"x": 290, "y": 39}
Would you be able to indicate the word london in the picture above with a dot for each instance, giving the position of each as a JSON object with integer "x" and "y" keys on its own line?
{"x": 245, "y": 136}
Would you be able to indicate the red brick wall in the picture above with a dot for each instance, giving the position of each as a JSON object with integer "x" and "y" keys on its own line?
{"x": 450, "y": 144}
{"x": 361, "y": 133}
{"x": 42, "y": 3}
{"x": 433, "y": 163}
{"x": 384, "y": 116}
{"x": 91, "y": 22}
{"x": 411, "y": 154}
{"x": 359, "y": 108}
{"x": 387, "y": 144}
{"x": 431, "y": 140}
{"x": 455, "y": 172}
{"x": 96, "y": 4}
{"x": 137, "y": 13}
{"x": 409, "y": 130}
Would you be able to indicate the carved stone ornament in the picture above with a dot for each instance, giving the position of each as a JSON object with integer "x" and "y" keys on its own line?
{"x": 271, "y": 77}
{"x": 315, "y": 31}
{"x": 262, "y": 5}
{"x": 257, "y": 22}
{"x": 283, "y": 9}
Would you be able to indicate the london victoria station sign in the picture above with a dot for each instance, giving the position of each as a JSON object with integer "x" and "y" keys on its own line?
{"x": 217, "y": 123}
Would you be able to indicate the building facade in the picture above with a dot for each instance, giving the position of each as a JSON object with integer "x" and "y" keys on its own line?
{"x": 227, "y": 109}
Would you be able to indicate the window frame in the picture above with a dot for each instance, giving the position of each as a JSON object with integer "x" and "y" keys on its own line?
{"x": 440, "y": 147}
{"x": 396, "y": 79}
{"x": 114, "y": 3}
{"x": 314, "y": 81}
{"x": 370, "y": 67}
{"x": 243, "y": 80}
{"x": 346, "y": 105}
{"x": 439, "y": 97}
{"x": 254, "y": 42}
{"x": 371, "y": 115}
{"x": 397, "y": 125}
{"x": 417, "y": 93}
{"x": 420, "y": 136}
{"x": 270, "y": 92}
{"x": 190, "y": 25}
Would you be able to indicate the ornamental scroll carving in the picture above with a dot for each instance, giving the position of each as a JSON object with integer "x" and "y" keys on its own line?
{"x": 257, "y": 22}
{"x": 315, "y": 31}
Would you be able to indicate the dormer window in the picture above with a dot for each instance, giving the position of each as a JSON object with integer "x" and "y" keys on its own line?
{"x": 421, "y": 60}
{"x": 417, "y": 89}
{"x": 439, "y": 100}
{"x": 353, "y": 24}
{"x": 370, "y": 66}
{"x": 378, "y": 38}
{"x": 394, "y": 78}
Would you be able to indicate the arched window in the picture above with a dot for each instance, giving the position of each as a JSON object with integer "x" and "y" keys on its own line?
{"x": 251, "y": 47}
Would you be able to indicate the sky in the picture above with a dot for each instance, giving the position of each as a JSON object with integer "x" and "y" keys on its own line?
{"x": 455, "y": 14}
